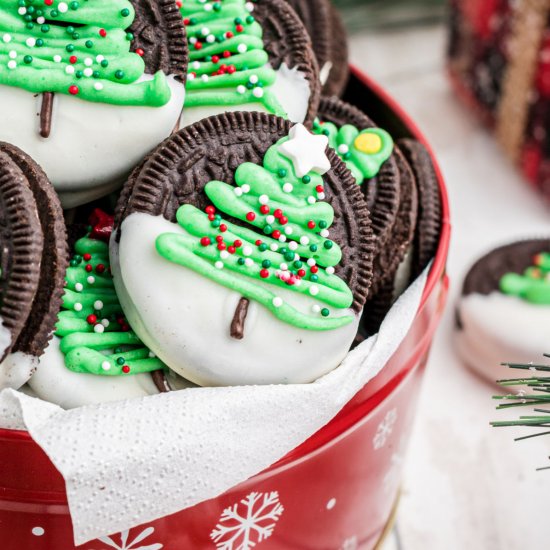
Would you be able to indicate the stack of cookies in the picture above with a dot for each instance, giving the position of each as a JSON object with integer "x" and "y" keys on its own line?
{"x": 187, "y": 201}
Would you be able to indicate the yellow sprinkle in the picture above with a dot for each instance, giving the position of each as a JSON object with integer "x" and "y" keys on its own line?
{"x": 368, "y": 143}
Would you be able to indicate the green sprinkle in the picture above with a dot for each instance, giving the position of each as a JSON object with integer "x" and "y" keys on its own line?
{"x": 45, "y": 28}
{"x": 125, "y": 12}
{"x": 268, "y": 229}
{"x": 215, "y": 223}
{"x": 313, "y": 247}
{"x": 262, "y": 247}
{"x": 217, "y": 6}
{"x": 250, "y": 19}
{"x": 325, "y": 312}
{"x": 96, "y": 74}
{"x": 118, "y": 350}
{"x": 298, "y": 264}
{"x": 314, "y": 278}
{"x": 70, "y": 29}
{"x": 68, "y": 47}
{"x": 266, "y": 263}
{"x": 281, "y": 172}
{"x": 289, "y": 256}
{"x": 129, "y": 36}
{"x": 104, "y": 63}
{"x": 54, "y": 13}
{"x": 75, "y": 36}
{"x": 241, "y": 261}
{"x": 39, "y": 42}
{"x": 79, "y": 74}
{"x": 27, "y": 17}
{"x": 74, "y": 5}
{"x": 306, "y": 179}
{"x": 120, "y": 361}
{"x": 89, "y": 44}
{"x": 31, "y": 9}
{"x": 27, "y": 59}
{"x": 119, "y": 74}
{"x": 323, "y": 224}
{"x": 326, "y": 132}
{"x": 73, "y": 263}
{"x": 30, "y": 26}
{"x": 346, "y": 156}
{"x": 328, "y": 244}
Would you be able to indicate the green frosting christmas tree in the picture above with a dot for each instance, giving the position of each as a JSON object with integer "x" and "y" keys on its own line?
{"x": 95, "y": 336}
{"x": 284, "y": 241}
{"x": 363, "y": 151}
{"x": 533, "y": 285}
{"x": 80, "y": 48}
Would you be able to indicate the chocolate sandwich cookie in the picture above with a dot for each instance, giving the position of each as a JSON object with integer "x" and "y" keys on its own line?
{"x": 428, "y": 225}
{"x": 328, "y": 36}
{"x": 32, "y": 263}
{"x": 248, "y": 56}
{"x": 503, "y": 313}
{"x": 246, "y": 231}
{"x": 99, "y": 86}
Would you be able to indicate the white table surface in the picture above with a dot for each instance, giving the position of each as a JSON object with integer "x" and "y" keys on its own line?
{"x": 467, "y": 485}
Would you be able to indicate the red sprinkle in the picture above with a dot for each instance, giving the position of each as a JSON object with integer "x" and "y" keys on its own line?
{"x": 239, "y": 28}
{"x": 250, "y": 216}
{"x": 219, "y": 238}
{"x": 264, "y": 273}
{"x": 140, "y": 52}
{"x": 276, "y": 234}
{"x": 179, "y": 3}
{"x": 91, "y": 319}
{"x": 314, "y": 269}
{"x": 221, "y": 246}
{"x": 186, "y": 21}
{"x": 87, "y": 257}
{"x": 205, "y": 241}
{"x": 102, "y": 32}
{"x": 215, "y": 59}
{"x": 73, "y": 90}
{"x": 198, "y": 45}
{"x": 229, "y": 34}
{"x": 125, "y": 369}
{"x": 231, "y": 249}
{"x": 88, "y": 268}
{"x": 258, "y": 242}
{"x": 278, "y": 213}
{"x": 231, "y": 69}
{"x": 227, "y": 53}
{"x": 210, "y": 210}
{"x": 48, "y": 2}
{"x": 302, "y": 272}
{"x": 283, "y": 220}
{"x": 73, "y": 59}
{"x": 311, "y": 224}
{"x": 237, "y": 243}
{"x": 100, "y": 268}
{"x": 264, "y": 209}
{"x": 319, "y": 189}
{"x": 211, "y": 217}
{"x": 223, "y": 228}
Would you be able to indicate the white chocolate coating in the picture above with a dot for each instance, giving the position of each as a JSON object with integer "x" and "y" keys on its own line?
{"x": 92, "y": 146}
{"x": 290, "y": 87}
{"x": 54, "y": 382}
{"x": 185, "y": 319}
{"x": 498, "y": 328}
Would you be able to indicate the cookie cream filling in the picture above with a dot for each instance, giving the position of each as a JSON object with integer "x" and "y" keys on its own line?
{"x": 291, "y": 88}
{"x": 16, "y": 369}
{"x": 54, "y": 382}
{"x": 185, "y": 319}
{"x": 498, "y": 328}
{"x": 92, "y": 146}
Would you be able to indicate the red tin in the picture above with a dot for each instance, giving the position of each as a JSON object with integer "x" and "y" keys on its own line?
{"x": 335, "y": 491}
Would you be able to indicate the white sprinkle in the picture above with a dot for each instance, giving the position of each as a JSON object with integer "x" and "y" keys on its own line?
{"x": 12, "y": 64}
{"x": 88, "y": 62}
{"x": 293, "y": 245}
{"x": 31, "y": 42}
{"x": 192, "y": 40}
{"x": 218, "y": 265}
{"x": 78, "y": 306}
{"x": 288, "y": 230}
{"x": 263, "y": 199}
{"x": 196, "y": 65}
{"x": 205, "y": 31}
{"x": 311, "y": 262}
{"x": 40, "y": 20}
{"x": 274, "y": 247}
{"x": 152, "y": 354}
{"x": 98, "y": 304}
{"x": 324, "y": 233}
{"x": 249, "y": 6}
{"x": 270, "y": 219}
{"x": 62, "y": 7}
{"x": 211, "y": 39}
{"x": 99, "y": 328}
{"x": 314, "y": 290}
{"x": 258, "y": 92}
{"x": 241, "y": 48}
{"x": 105, "y": 322}
{"x": 106, "y": 365}
{"x": 241, "y": 89}
{"x": 245, "y": 188}
{"x": 343, "y": 149}
{"x": 248, "y": 262}
{"x": 12, "y": 54}
{"x": 22, "y": 11}
{"x": 57, "y": 58}
{"x": 99, "y": 58}
{"x": 253, "y": 79}
{"x": 247, "y": 250}
{"x": 277, "y": 302}
{"x": 69, "y": 69}
{"x": 304, "y": 240}
{"x": 296, "y": 257}
{"x": 38, "y": 531}
{"x": 98, "y": 86}
{"x": 288, "y": 187}
{"x": 190, "y": 76}
{"x": 284, "y": 266}
{"x": 282, "y": 238}
{"x": 91, "y": 279}
{"x": 208, "y": 7}
{"x": 315, "y": 308}
{"x": 238, "y": 191}
{"x": 88, "y": 72}
{"x": 321, "y": 196}
{"x": 224, "y": 254}
{"x": 6, "y": 38}
{"x": 79, "y": 287}
{"x": 311, "y": 200}
{"x": 204, "y": 77}
{"x": 330, "y": 270}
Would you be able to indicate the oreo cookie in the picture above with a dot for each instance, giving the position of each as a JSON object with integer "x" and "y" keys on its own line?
{"x": 428, "y": 230}
{"x": 504, "y": 308}
{"x": 328, "y": 36}
{"x": 259, "y": 233}
{"x": 33, "y": 260}
{"x": 259, "y": 58}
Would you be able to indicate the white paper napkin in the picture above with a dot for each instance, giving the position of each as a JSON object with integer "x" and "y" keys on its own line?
{"x": 131, "y": 462}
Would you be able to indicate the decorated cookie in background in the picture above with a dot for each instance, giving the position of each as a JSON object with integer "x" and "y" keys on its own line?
{"x": 503, "y": 313}
{"x": 94, "y": 355}
{"x": 243, "y": 253}
{"x": 87, "y": 88}
{"x": 328, "y": 36}
{"x": 32, "y": 263}
{"x": 389, "y": 188}
{"x": 248, "y": 56}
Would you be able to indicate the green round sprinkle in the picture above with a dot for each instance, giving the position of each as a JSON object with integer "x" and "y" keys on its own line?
{"x": 79, "y": 74}
{"x": 73, "y": 263}
{"x": 125, "y": 12}
{"x": 31, "y": 9}
{"x": 27, "y": 17}
{"x": 89, "y": 44}
{"x": 217, "y": 7}
{"x": 74, "y": 5}
{"x": 238, "y": 21}
{"x": 129, "y": 36}
{"x": 104, "y": 63}
{"x": 54, "y": 13}
{"x": 268, "y": 229}
{"x": 96, "y": 74}
{"x": 313, "y": 247}
{"x": 250, "y": 19}
{"x": 75, "y": 36}
{"x": 38, "y": 13}
{"x": 266, "y": 263}
{"x": 27, "y": 59}
{"x": 215, "y": 223}
{"x": 306, "y": 179}
{"x": 328, "y": 244}
{"x": 119, "y": 74}
{"x": 45, "y": 28}
{"x": 30, "y": 26}
{"x": 118, "y": 350}
{"x": 323, "y": 224}
{"x": 325, "y": 312}
{"x": 326, "y": 132}
{"x": 240, "y": 261}
{"x": 298, "y": 264}
{"x": 262, "y": 247}
{"x": 70, "y": 29}
{"x": 281, "y": 172}
{"x": 39, "y": 42}
{"x": 77, "y": 257}
{"x": 289, "y": 256}
{"x": 193, "y": 21}
{"x": 346, "y": 156}
{"x": 249, "y": 85}
{"x": 314, "y": 278}
{"x": 21, "y": 3}
{"x": 217, "y": 217}
{"x": 120, "y": 361}
{"x": 69, "y": 47}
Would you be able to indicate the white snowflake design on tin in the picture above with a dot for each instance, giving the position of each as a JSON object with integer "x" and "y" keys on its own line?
{"x": 384, "y": 429}
{"x": 248, "y": 522}
{"x": 126, "y": 544}
{"x": 350, "y": 544}
{"x": 392, "y": 477}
